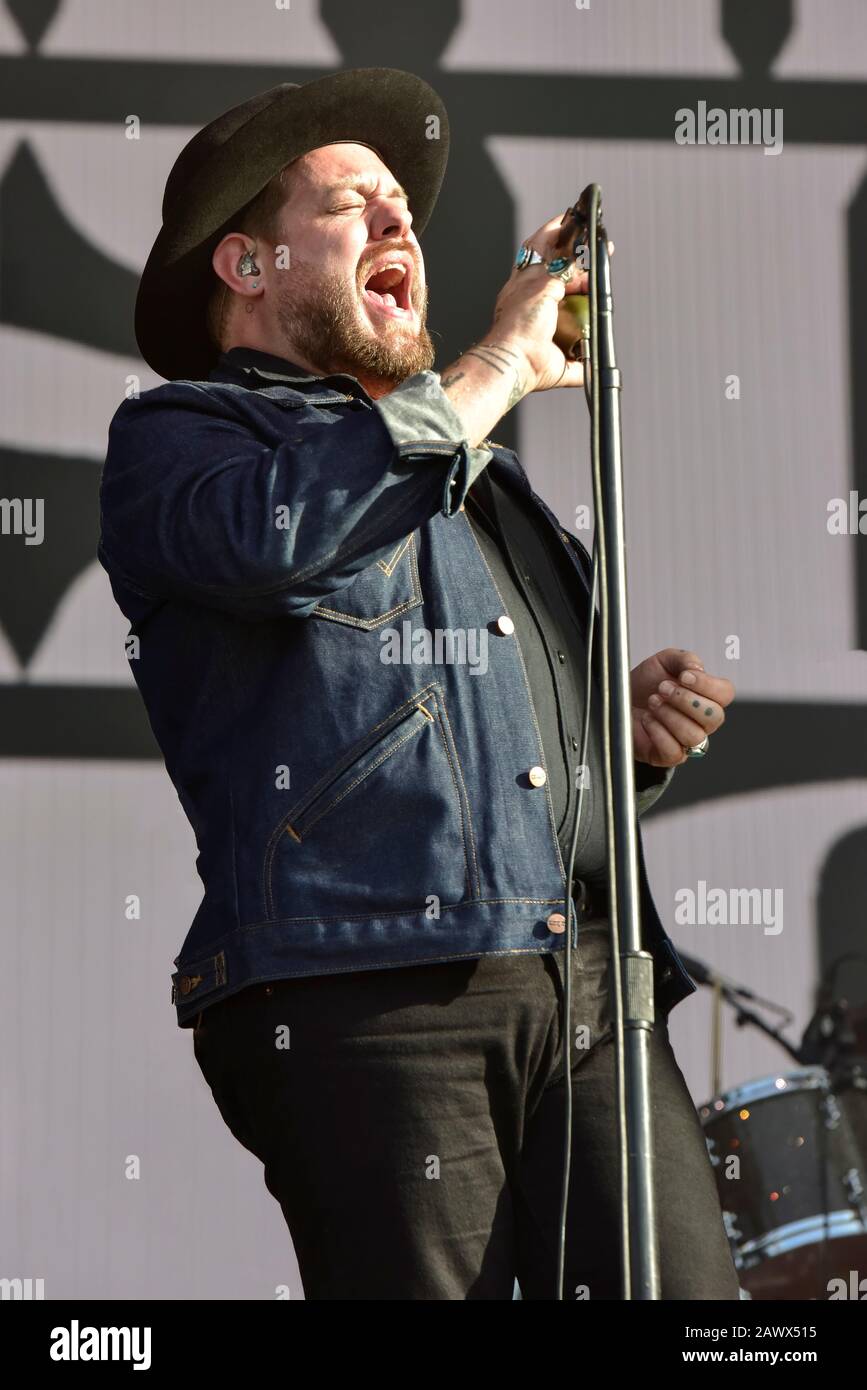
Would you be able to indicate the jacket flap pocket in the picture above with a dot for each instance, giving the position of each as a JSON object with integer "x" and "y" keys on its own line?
{"x": 418, "y": 718}
{"x": 355, "y": 765}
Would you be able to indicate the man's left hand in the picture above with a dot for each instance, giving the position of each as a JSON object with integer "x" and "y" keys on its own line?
{"x": 675, "y": 705}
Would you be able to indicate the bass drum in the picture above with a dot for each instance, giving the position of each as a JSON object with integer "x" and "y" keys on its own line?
{"x": 789, "y": 1154}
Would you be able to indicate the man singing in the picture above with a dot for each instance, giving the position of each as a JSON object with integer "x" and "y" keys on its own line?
{"x": 362, "y": 646}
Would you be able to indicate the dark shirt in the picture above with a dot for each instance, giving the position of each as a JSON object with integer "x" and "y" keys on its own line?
{"x": 543, "y": 597}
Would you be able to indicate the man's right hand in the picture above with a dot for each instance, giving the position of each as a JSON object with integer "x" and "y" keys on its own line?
{"x": 525, "y": 314}
{"x": 518, "y": 353}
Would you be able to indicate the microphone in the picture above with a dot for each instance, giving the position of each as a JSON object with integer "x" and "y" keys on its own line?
{"x": 705, "y": 975}
{"x": 572, "y": 334}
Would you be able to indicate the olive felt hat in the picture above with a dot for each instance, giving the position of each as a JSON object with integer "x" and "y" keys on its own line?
{"x": 229, "y": 162}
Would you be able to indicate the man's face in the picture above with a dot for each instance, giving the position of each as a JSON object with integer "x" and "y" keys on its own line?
{"x": 345, "y": 220}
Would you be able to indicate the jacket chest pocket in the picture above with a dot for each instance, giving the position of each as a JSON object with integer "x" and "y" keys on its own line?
{"x": 379, "y": 594}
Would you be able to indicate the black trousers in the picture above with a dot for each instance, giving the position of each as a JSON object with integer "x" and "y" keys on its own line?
{"x": 411, "y": 1126}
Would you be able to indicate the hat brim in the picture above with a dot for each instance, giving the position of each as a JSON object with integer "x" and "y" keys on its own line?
{"x": 384, "y": 108}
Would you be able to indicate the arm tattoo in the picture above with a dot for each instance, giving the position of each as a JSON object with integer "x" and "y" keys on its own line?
{"x": 518, "y": 391}
{"x": 447, "y": 381}
{"x": 489, "y": 362}
{"x": 487, "y": 353}
{"x": 495, "y": 347}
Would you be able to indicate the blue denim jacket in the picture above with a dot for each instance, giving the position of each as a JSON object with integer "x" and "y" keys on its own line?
{"x": 264, "y": 532}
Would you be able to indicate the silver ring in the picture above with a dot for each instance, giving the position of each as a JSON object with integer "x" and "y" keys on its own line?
{"x": 699, "y": 750}
{"x": 560, "y": 268}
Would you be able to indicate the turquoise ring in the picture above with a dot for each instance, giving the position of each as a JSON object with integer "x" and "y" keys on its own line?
{"x": 527, "y": 256}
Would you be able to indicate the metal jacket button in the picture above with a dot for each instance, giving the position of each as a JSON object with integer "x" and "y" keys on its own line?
{"x": 557, "y": 922}
{"x": 538, "y": 776}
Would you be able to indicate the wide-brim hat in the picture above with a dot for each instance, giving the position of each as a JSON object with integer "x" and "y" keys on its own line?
{"x": 229, "y": 162}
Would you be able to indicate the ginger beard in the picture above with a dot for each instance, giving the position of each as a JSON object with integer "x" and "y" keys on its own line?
{"x": 323, "y": 315}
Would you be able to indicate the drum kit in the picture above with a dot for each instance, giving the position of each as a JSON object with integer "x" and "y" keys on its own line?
{"x": 789, "y": 1153}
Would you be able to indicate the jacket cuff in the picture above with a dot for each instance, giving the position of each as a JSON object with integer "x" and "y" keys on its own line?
{"x": 423, "y": 423}
{"x": 650, "y": 784}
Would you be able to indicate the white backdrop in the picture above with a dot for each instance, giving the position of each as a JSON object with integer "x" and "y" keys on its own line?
{"x": 715, "y": 273}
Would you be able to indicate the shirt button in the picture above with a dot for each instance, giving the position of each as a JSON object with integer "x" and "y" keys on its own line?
{"x": 557, "y": 922}
{"x": 562, "y": 656}
{"x": 538, "y": 776}
{"x": 505, "y": 625}
{"x": 574, "y": 742}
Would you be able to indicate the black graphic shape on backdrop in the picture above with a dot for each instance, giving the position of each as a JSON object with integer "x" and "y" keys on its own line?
{"x": 756, "y": 33}
{"x": 841, "y": 915}
{"x": 390, "y": 33}
{"x": 856, "y": 241}
{"x": 34, "y": 578}
{"x": 768, "y": 744}
{"x": 74, "y": 721}
{"x": 33, "y": 17}
{"x": 53, "y": 279}
{"x": 481, "y": 104}
{"x": 553, "y": 105}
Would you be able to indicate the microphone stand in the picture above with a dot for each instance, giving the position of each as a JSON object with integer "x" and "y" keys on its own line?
{"x": 632, "y": 965}
{"x": 734, "y": 994}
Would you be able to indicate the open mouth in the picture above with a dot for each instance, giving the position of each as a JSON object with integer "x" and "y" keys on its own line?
{"x": 387, "y": 289}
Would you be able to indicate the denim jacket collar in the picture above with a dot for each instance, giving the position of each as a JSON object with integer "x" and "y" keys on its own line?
{"x": 244, "y": 364}
{"x": 241, "y": 363}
